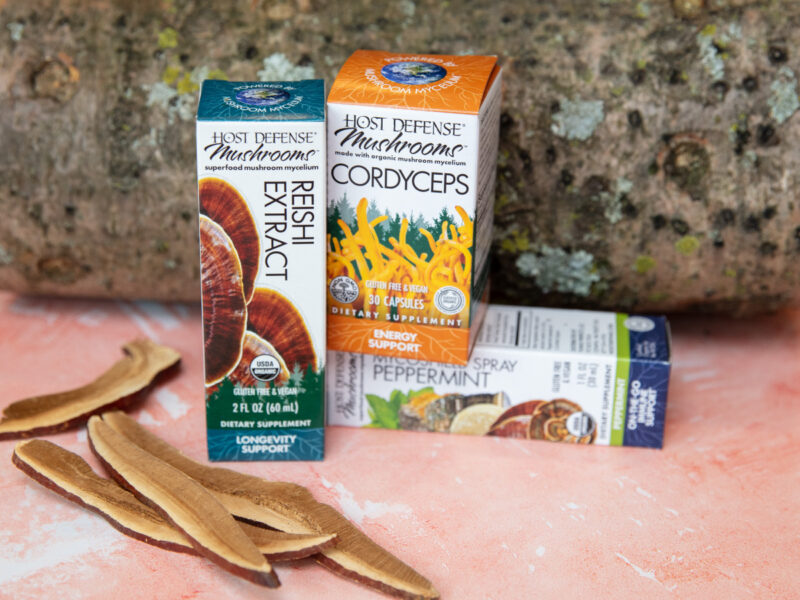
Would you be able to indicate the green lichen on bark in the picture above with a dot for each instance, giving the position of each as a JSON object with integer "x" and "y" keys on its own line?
{"x": 560, "y": 271}
{"x": 783, "y": 102}
{"x": 644, "y": 264}
{"x": 577, "y": 119}
{"x": 687, "y": 245}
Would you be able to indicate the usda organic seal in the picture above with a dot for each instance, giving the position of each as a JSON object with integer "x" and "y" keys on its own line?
{"x": 449, "y": 300}
{"x": 265, "y": 367}
{"x": 580, "y": 424}
{"x": 344, "y": 289}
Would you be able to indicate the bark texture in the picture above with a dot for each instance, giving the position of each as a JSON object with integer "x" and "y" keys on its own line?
{"x": 649, "y": 160}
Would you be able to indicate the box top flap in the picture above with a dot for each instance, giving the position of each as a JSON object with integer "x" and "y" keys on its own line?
{"x": 262, "y": 100}
{"x": 425, "y": 82}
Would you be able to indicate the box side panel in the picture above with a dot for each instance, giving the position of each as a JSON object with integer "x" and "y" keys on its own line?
{"x": 647, "y": 404}
{"x": 489, "y": 134}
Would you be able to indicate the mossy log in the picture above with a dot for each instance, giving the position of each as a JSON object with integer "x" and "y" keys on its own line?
{"x": 649, "y": 160}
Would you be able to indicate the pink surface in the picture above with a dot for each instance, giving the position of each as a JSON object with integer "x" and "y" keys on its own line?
{"x": 716, "y": 514}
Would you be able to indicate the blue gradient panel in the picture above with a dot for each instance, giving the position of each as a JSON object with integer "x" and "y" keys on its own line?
{"x": 262, "y": 100}
{"x": 648, "y": 383}
{"x": 287, "y": 444}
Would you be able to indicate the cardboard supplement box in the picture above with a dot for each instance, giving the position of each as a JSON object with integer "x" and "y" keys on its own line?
{"x": 560, "y": 375}
{"x": 412, "y": 154}
{"x": 261, "y": 179}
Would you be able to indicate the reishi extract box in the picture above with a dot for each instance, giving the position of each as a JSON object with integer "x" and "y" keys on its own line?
{"x": 261, "y": 188}
{"x": 570, "y": 376}
{"x": 412, "y": 156}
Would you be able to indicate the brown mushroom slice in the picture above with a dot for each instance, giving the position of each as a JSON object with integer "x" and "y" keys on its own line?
{"x": 280, "y": 545}
{"x": 292, "y": 508}
{"x": 68, "y": 475}
{"x": 224, "y": 306}
{"x": 224, "y": 205}
{"x": 274, "y": 318}
{"x": 252, "y": 347}
{"x": 118, "y": 387}
{"x": 184, "y": 502}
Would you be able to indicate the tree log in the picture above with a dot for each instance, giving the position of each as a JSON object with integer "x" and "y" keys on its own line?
{"x": 649, "y": 160}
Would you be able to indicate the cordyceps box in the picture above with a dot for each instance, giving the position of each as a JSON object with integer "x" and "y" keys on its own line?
{"x": 261, "y": 180}
{"x": 412, "y": 153}
{"x": 570, "y": 376}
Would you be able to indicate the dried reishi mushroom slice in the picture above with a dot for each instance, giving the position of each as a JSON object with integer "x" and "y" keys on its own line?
{"x": 292, "y": 508}
{"x": 280, "y": 545}
{"x": 118, "y": 387}
{"x": 224, "y": 306}
{"x": 273, "y": 317}
{"x": 549, "y": 422}
{"x": 224, "y": 205}
{"x": 184, "y": 502}
{"x": 68, "y": 475}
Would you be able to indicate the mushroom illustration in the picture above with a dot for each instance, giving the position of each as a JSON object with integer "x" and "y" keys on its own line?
{"x": 221, "y": 203}
{"x": 275, "y": 319}
{"x": 224, "y": 308}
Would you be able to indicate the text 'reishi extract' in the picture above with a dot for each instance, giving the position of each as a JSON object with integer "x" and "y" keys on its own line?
{"x": 412, "y": 154}
{"x": 261, "y": 180}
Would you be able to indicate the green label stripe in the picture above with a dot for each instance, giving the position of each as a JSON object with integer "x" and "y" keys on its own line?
{"x": 621, "y": 382}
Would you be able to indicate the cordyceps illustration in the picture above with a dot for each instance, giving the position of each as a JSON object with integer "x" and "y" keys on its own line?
{"x": 361, "y": 256}
{"x": 224, "y": 306}
{"x": 221, "y": 203}
{"x": 275, "y": 319}
{"x": 549, "y": 422}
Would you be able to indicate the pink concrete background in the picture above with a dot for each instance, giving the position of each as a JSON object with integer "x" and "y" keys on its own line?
{"x": 716, "y": 514}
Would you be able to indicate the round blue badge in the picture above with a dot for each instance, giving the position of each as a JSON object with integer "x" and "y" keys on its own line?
{"x": 413, "y": 72}
{"x": 263, "y": 96}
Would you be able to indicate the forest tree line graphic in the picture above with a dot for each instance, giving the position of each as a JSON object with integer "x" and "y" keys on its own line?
{"x": 342, "y": 209}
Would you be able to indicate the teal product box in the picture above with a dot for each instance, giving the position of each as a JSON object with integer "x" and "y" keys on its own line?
{"x": 574, "y": 376}
{"x": 261, "y": 195}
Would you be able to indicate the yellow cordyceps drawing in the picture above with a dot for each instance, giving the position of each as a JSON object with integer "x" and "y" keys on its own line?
{"x": 397, "y": 282}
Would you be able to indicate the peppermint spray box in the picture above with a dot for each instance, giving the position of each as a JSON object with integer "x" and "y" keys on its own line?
{"x": 569, "y": 376}
{"x": 261, "y": 181}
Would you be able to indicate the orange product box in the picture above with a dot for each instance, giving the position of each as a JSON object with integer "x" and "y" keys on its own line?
{"x": 412, "y": 154}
